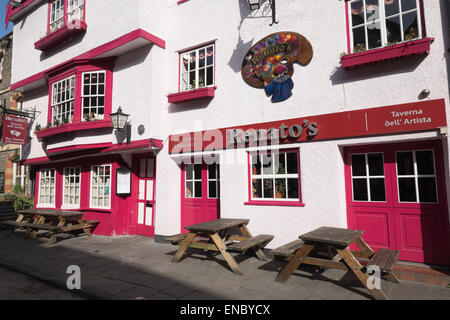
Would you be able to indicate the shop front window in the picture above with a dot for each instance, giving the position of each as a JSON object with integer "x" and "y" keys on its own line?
{"x": 71, "y": 187}
{"x": 275, "y": 176}
{"x": 101, "y": 187}
{"x": 47, "y": 188}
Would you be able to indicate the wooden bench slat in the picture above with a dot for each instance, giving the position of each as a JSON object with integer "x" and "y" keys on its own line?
{"x": 385, "y": 259}
{"x": 12, "y": 223}
{"x": 40, "y": 226}
{"x": 287, "y": 249}
{"x": 250, "y": 243}
{"x": 177, "y": 238}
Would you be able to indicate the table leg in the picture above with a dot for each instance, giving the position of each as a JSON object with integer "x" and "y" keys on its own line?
{"x": 33, "y": 233}
{"x": 54, "y": 234}
{"x": 366, "y": 250}
{"x": 295, "y": 262}
{"x": 183, "y": 246}
{"x": 356, "y": 268}
{"x": 87, "y": 231}
{"x": 258, "y": 251}
{"x": 223, "y": 250}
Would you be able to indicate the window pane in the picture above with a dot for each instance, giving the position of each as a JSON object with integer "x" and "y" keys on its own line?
{"x": 427, "y": 190}
{"x": 360, "y": 190}
{"x": 256, "y": 188}
{"x": 201, "y": 58}
{"x": 280, "y": 163}
{"x": 377, "y": 190}
{"x": 267, "y": 164}
{"x": 210, "y": 56}
{"x": 192, "y": 83}
{"x": 292, "y": 162}
{"x": 185, "y": 63}
{"x": 209, "y": 76}
{"x": 185, "y": 82}
{"x": 268, "y": 188}
{"x": 189, "y": 188}
{"x": 198, "y": 171}
{"x": 407, "y": 189}
{"x": 212, "y": 171}
{"x": 280, "y": 187}
{"x": 358, "y": 165}
{"x": 192, "y": 62}
{"x": 425, "y": 162}
{"x": 189, "y": 170}
{"x": 374, "y": 34}
{"x": 410, "y": 29}
{"x": 256, "y": 165}
{"x": 359, "y": 39}
{"x": 201, "y": 78}
{"x": 393, "y": 30}
{"x": 198, "y": 189}
{"x": 408, "y": 5}
{"x": 405, "y": 163}
{"x": 376, "y": 165}
{"x": 293, "y": 189}
{"x": 212, "y": 189}
{"x": 357, "y": 13}
{"x": 372, "y": 10}
{"x": 392, "y": 8}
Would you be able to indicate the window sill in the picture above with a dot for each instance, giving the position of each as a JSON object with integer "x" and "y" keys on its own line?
{"x": 63, "y": 33}
{"x": 71, "y": 127}
{"x": 402, "y": 50}
{"x": 207, "y": 92}
{"x": 97, "y": 210}
{"x": 274, "y": 203}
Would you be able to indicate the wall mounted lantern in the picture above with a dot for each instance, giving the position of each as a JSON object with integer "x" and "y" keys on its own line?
{"x": 119, "y": 122}
{"x": 256, "y": 4}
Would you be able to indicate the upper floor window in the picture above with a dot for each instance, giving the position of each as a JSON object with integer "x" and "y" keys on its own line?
{"x": 83, "y": 93}
{"x": 197, "y": 68}
{"x": 65, "y": 11}
{"x": 381, "y": 23}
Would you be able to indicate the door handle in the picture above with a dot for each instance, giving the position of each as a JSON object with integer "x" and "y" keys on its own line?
{"x": 148, "y": 204}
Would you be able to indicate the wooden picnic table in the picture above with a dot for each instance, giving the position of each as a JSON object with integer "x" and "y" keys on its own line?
{"x": 53, "y": 221}
{"x": 217, "y": 237}
{"x": 340, "y": 239}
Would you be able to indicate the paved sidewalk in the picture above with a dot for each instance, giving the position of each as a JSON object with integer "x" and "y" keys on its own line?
{"x": 134, "y": 267}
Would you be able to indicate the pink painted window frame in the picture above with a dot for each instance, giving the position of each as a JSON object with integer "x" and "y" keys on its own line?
{"x": 85, "y": 188}
{"x": 66, "y": 6}
{"x": 271, "y": 202}
{"x": 77, "y": 70}
{"x": 348, "y": 28}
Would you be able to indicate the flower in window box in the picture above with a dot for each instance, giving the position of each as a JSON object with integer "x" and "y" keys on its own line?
{"x": 359, "y": 48}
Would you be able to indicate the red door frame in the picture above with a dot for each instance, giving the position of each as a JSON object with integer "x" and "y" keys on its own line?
{"x": 203, "y": 201}
{"x": 392, "y": 205}
{"x": 143, "y": 229}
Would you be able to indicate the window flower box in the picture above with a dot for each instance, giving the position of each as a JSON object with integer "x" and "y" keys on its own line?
{"x": 398, "y": 51}
{"x": 61, "y": 34}
{"x": 72, "y": 127}
{"x": 207, "y": 92}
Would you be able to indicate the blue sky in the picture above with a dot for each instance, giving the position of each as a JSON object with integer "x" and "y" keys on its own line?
{"x": 2, "y": 19}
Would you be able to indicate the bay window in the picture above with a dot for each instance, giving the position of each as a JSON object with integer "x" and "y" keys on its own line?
{"x": 47, "y": 188}
{"x": 274, "y": 177}
{"x": 82, "y": 94}
{"x": 380, "y": 23}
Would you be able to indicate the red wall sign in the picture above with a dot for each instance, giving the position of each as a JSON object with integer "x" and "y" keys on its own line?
{"x": 417, "y": 116}
{"x": 15, "y": 130}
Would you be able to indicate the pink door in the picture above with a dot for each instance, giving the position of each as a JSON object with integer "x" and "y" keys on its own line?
{"x": 396, "y": 193}
{"x": 145, "y": 195}
{"x": 200, "y": 193}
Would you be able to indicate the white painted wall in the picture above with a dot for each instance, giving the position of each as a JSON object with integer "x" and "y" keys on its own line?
{"x": 143, "y": 79}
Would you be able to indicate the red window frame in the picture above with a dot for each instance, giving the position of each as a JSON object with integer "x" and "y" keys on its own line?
{"x": 77, "y": 68}
{"x": 66, "y": 6}
{"x": 418, "y": 46}
{"x": 274, "y": 202}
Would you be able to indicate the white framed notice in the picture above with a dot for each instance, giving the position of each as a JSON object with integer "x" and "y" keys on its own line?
{"x": 123, "y": 182}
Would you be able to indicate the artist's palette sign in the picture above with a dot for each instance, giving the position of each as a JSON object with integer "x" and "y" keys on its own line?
{"x": 269, "y": 64}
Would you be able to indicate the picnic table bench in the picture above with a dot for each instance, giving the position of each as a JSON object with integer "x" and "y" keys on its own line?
{"x": 297, "y": 252}
{"x": 52, "y": 221}
{"x": 214, "y": 236}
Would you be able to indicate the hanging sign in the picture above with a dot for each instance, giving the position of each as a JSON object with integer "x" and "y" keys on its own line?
{"x": 269, "y": 64}
{"x": 15, "y": 130}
